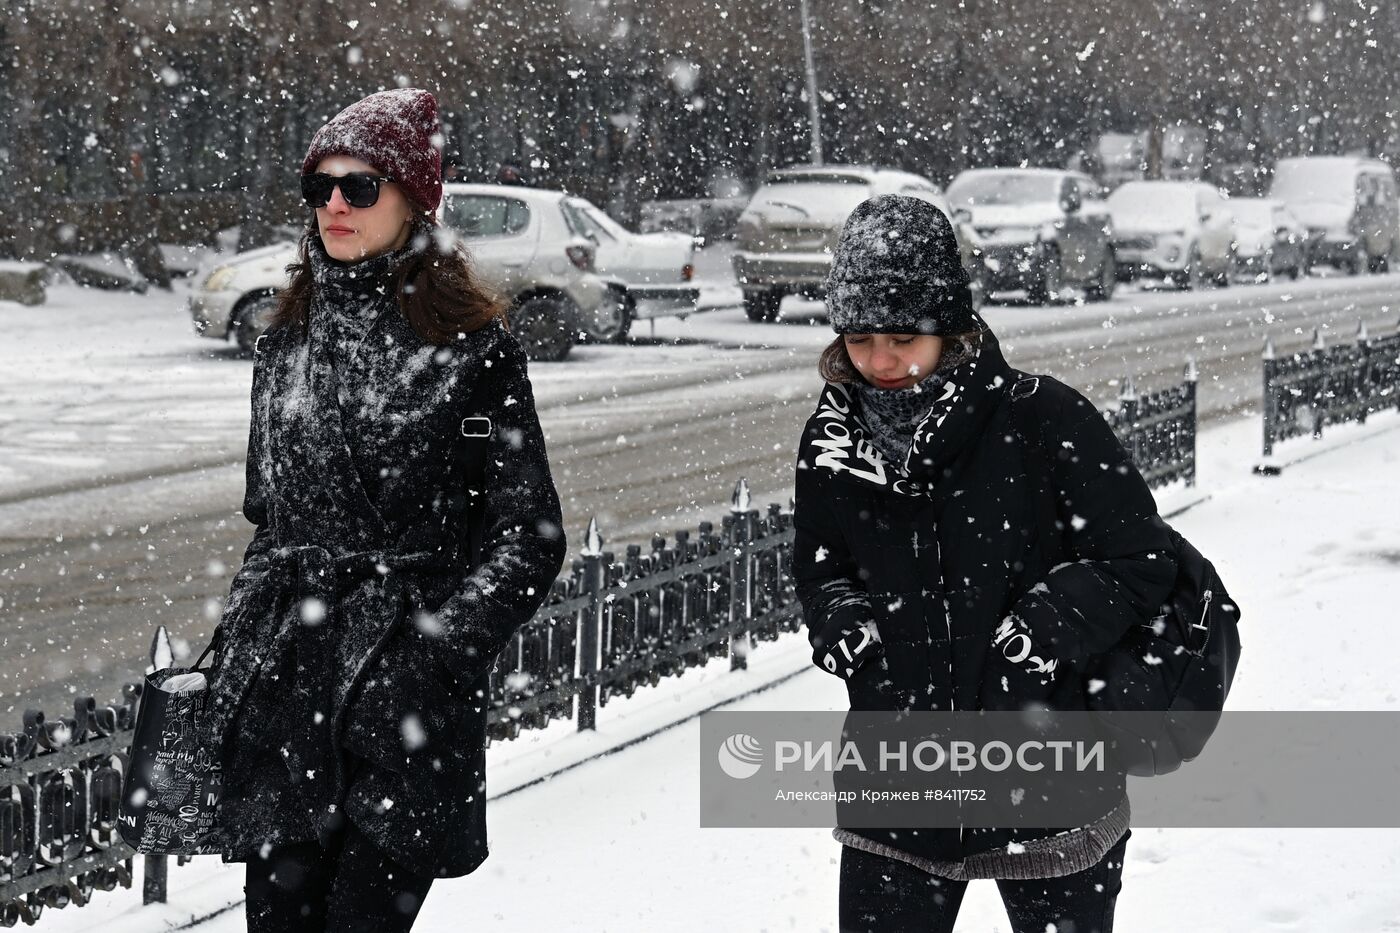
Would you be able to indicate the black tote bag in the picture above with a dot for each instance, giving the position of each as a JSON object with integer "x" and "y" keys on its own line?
{"x": 170, "y": 796}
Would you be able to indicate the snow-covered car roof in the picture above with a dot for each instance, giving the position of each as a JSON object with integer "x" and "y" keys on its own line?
{"x": 1257, "y": 211}
{"x": 1321, "y": 178}
{"x": 1019, "y": 170}
{"x": 864, "y": 172}
{"x": 1336, "y": 163}
{"x": 528, "y": 195}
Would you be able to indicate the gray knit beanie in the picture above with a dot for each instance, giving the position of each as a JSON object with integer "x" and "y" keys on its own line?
{"x": 898, "y": 270}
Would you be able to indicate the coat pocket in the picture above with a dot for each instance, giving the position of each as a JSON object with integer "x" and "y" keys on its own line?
{"x": 400, "y": 717}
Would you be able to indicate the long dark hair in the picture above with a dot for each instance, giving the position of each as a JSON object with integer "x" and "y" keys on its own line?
{"x": 835, "y": 364}
{"x": 439, "y": 293}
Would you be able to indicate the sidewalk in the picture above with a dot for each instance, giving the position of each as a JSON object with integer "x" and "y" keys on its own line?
{"x": 612, "y": 844}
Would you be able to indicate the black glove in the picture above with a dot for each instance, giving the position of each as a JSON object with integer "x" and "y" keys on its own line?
{"x": 1017, "y": 670}
{"x": 851, "y": 651}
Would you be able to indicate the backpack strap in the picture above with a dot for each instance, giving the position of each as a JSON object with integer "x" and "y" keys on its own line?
{"x": 476, "y": 434}
{"x": 1039, "y": 474}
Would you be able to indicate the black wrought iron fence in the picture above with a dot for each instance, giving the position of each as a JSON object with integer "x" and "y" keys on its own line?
{"x": 1159, "y": 429}
{"x": 609, "y": 626}
{"x": 1307, "y": 390}
{"x": 60, "y": 786}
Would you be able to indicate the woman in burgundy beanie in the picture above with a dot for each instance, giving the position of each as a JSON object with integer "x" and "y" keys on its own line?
{"x": 406, "y": 526}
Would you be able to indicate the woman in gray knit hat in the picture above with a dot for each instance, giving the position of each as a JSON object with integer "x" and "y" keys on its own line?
{"x": 912, "y": 483}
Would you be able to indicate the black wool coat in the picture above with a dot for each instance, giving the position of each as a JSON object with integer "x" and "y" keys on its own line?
{"x": 939, "y": 551}
{"x": 355, "y": 646}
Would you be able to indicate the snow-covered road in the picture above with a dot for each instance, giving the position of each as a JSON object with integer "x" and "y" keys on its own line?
{"x": 113, "y": 398}
{"x": 1313, "y": 558}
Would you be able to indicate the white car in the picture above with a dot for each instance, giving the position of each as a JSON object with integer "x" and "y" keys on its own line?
{"x": 1179, "y": 231}
{"x": 1269, "y": 240}
{"x": 527, "y": 244}
{"x": 786, "y": 235}
{"x": 1351, "y": 207}
{"x": 657, "y": 268}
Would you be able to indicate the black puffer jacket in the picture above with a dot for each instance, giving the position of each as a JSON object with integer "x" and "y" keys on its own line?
{"x": 876, "y": 542}
{"x": 356, "y": 640}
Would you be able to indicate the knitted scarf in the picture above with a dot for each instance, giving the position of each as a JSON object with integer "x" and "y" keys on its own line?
{"x": 894, "y": 415}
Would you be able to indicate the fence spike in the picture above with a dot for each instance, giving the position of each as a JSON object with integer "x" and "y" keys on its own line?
{"x": 741, "y": 496}
{"x": 1318, "y": 342}
{"x": 1191, "y": 374}
{"x": 1128, "y": 390}
{"x": 1362, "y": 335}
{"x": 592, "y": 539}
{"x": 1268, "y": 348}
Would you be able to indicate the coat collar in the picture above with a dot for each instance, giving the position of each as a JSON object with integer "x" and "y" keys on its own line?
{"x": 837, "y": 438}
{"x": 376, "y": 275}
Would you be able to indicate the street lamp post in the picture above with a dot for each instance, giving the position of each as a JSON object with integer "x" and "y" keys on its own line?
{"x": 813, "y": 103}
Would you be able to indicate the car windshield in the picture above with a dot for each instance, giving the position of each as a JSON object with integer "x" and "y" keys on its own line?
{"x": 815, "y": 178}
{"x": 822, "y": 199}
{"x": 1153, "y": 205}
{"x": 482, "y": 216}
{"x": 972, "y": 189}
{"x": 1313, "y": 180}
{"x": 587, "y": 221}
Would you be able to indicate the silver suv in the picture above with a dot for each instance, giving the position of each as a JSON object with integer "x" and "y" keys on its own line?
{"x": 786, "y": 235}
{"x": 1038, "y": 229}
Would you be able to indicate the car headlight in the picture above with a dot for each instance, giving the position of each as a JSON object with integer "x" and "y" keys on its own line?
{"x": 219, "y": 279}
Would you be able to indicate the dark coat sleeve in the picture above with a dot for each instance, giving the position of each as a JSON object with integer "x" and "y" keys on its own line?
{"x": 522, "y": 545}
{"x": 254, "y": 495}
{"x": 834, "y": 600}
{"x": 1124, "y": 565}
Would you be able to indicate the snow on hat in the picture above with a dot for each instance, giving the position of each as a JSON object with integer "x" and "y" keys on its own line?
{"x": 397, "y": 132}
{"x": 897, "y": 269}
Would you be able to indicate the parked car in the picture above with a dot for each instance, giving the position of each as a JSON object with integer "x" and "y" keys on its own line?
{"x": 538, "y": 249}
{"x": 237, "y": 298}
{"x": 1038, "y": 229}
{"x": 1178, "y": 231}
{"x": 1349, "y": 206}
{"x": 1122, "y": 157}
{"x": 1269, "y": 240}
{"x": 786, "y": 234}
{"x": 558, "y": 258}
{"x": 657, "y": 269}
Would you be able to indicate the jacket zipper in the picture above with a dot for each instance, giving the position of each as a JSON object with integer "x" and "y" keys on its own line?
{"x": 948, "y": 624}
{"x": 1205, "y": 609}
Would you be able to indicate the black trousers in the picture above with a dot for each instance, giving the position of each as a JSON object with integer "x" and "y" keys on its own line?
{"x": 346, "y": 888}
{"x": 885, "y": 895}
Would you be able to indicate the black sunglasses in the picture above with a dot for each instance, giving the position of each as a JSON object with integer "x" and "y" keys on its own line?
{"x": 360, "y": 189}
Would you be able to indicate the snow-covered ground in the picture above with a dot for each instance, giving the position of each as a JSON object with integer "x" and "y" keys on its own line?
{"x": 97, "y": 385}
{"x": 613, "y": 843}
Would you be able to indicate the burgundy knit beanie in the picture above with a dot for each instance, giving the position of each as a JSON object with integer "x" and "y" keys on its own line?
{"x": 395, "y": 131}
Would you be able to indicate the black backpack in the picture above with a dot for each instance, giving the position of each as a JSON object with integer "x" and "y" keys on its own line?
{"x": 1180, "y": 664}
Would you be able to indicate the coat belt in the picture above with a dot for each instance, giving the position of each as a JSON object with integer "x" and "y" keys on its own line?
{"x": 312, "y": 566}
{"x": 312, "y": 753}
